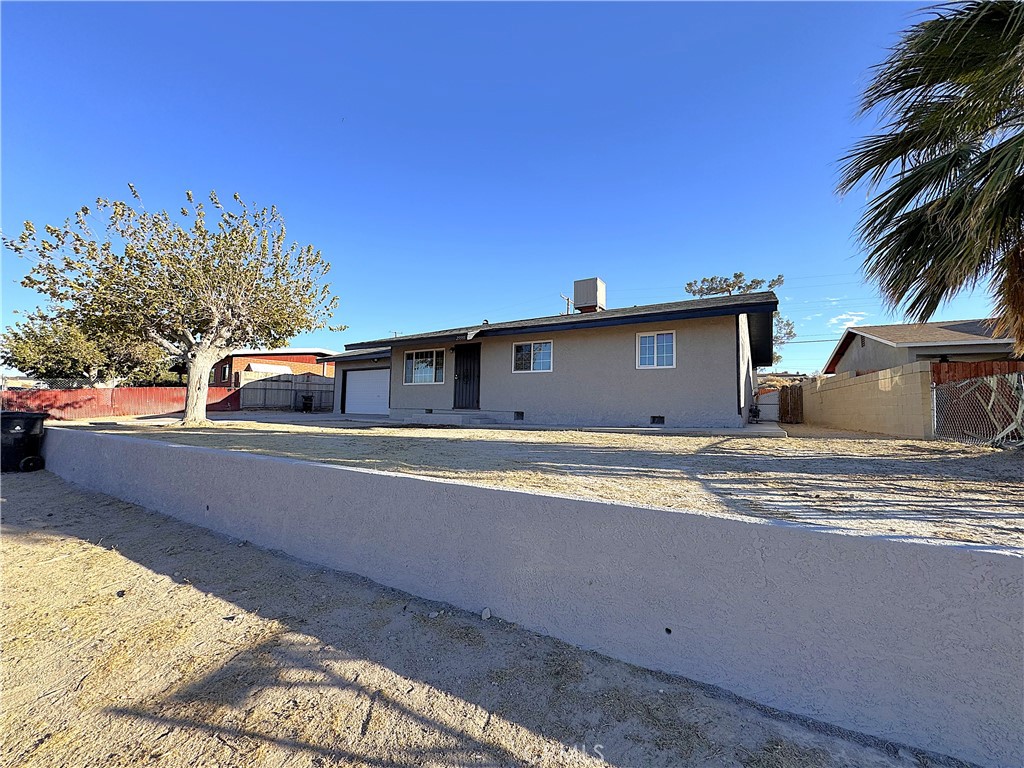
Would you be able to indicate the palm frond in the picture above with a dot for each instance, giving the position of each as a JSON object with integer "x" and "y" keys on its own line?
{"x": 947, "y": 168}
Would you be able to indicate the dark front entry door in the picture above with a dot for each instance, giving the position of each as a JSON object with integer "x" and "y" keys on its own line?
{"x": 467, "y": 376}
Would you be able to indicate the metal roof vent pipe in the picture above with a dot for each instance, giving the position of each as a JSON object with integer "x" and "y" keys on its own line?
{"x": 589, "y": 295}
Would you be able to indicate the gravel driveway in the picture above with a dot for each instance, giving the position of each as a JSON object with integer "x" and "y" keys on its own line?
{"x": 850, "y": 481}
{"x": 133, "y": 639}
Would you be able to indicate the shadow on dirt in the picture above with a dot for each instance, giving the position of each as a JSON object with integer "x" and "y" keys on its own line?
{"x": 346, "y": 671}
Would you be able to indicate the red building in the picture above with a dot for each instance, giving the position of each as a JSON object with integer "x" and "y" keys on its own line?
{"x": 287, "y": 359}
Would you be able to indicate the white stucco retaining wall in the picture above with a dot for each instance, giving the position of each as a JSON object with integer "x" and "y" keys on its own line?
{"x": 917, "y": 643}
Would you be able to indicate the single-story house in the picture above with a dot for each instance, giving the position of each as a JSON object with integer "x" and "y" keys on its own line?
{"x": 362, "y": 380}
{"x": 285, "y": 360}
{"x": 870, "y": 348}
{"x": 679, "y": 364}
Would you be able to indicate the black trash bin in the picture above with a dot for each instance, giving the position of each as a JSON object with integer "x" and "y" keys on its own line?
{"x": 21, "y": 441}
{"x": 307, "y": 403}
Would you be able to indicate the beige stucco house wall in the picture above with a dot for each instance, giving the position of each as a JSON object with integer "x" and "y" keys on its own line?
{"x": 595, "y": 381}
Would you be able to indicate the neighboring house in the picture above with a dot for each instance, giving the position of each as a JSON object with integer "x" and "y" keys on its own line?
{"x": 679, "y": 364}
{"x": 284, "y": 360}
{"x": 362, "y": 381}
{"x": 870, "y": 348}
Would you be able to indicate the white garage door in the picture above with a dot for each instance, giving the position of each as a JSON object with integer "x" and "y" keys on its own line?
{"x": 367, "y": 391}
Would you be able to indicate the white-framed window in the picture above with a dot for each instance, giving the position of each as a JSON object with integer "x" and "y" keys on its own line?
{"x": 531, "y": 357}
{"x": 656, "y": 349}
{"x": 225, "y": 372}
{"x": 424, "y": 366}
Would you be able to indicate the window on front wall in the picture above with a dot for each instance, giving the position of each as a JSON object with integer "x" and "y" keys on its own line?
{"x": 531, "y": 356}
{"x": 656, "y": 350}
{"x": 425, "y": 366}
{"x": 225, "y": 372}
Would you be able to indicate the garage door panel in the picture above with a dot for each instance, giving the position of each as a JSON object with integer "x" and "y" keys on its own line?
{"x": 367, "y": 391}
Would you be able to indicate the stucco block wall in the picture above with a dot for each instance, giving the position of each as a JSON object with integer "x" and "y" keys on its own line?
{"x": 594, "y": 379}
{"x": 896, "y": 401}
{"x": 873, "y": 356}
{"x": 912, "y": 642}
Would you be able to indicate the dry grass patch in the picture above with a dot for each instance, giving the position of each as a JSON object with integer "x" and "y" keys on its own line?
{"x": 857, "y": 482}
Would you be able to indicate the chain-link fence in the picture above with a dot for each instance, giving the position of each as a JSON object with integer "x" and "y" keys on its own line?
{"x": 988, "y": 410}
{"x": 26, "y": 382}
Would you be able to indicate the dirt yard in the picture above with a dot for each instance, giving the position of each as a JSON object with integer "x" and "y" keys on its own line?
{"x": 133, "y": 639}
{"x": 859, "y": 482}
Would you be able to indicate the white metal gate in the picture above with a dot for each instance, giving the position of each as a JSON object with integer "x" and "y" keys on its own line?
{"x": 768, "y": 402}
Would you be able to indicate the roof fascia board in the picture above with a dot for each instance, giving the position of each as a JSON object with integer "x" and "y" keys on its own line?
{"x": 971, "y": 343}
{"x": 364, "y": 356}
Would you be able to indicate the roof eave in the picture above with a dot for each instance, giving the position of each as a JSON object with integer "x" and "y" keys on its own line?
{"x": 838, "y": 352}
{"x": 963, "y": 343}
{"x": 596, "y": 321}
{"x": 400, "y": 342}
{"x": 370, "y": 354}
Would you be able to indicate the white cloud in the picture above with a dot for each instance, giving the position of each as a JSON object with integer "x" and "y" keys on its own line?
{"x": 846, "y": 320}
{"x": 811, "y": 317}
{"x": 834, "y": 299}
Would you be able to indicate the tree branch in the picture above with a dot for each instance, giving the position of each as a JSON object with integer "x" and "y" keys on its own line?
{"x": 165, "y": 345}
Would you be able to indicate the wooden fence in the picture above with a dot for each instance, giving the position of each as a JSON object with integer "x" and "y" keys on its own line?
{"x": 115, "y": 401}
{"x": 944, "y": 372}
{"x": 791, "y": 404}
{"x": 285, "y": 392}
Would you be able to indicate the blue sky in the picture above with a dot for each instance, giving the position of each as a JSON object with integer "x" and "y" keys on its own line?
{"x": 464, "y": 161}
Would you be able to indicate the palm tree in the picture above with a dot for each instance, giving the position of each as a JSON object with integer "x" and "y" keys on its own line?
{"x": 947, "y": 168}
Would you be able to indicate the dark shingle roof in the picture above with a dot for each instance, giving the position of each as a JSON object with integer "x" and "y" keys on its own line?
{"x": 716, "y": 306}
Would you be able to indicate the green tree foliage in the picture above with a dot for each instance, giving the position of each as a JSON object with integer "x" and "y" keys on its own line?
{"x": 55, "y": 347}
{"x": 946, "y": 170}
{"x": 197, "y": 286}
{"x": 50, "y": 348}
{"x": 738, "y": 283}
{"x": 783, "y": 329}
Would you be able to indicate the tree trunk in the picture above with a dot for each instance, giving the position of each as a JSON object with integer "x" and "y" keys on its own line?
{"x": 199, "y": 369}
